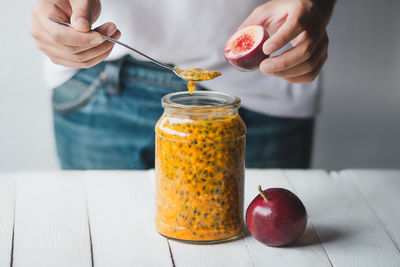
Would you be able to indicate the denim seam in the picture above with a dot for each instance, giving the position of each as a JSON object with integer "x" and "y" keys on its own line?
{"x": 82, "y": 99}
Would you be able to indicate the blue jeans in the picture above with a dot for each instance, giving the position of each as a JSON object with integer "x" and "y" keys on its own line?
{"x": 104, "y": 118}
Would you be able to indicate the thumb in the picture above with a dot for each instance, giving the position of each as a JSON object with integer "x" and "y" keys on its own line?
{"x": 258, "y": 16}
{"x": 286, "y": 33}
{"x": 84, "y": 13}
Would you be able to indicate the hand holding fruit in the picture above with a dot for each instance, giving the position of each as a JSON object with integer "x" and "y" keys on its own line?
{"x": 301, "y": 23}
{"x": 78, "y": 47}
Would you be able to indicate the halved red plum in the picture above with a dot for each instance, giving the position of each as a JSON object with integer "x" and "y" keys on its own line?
{"x": 244, "y": 48}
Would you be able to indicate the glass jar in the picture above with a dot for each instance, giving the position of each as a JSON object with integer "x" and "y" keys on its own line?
{"x": 199, "y": 165}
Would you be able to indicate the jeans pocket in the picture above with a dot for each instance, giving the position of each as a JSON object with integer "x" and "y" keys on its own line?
{"x": 77, "y": 91}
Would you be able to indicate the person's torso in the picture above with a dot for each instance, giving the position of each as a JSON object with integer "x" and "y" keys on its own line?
{"x": 192, "y": 34}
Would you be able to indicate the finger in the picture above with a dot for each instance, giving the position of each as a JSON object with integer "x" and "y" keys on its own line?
{"x": 83, "y": 56}
{"x": 98, "y": 50}
{"x": 107, "y": 29}
{"x": 308, "y": 77}
{"x": 46, "y": 39}
{"x": 81, "y": 17}
{"x": 43, "y": 10}
{"x": 258, "y": 17}
{"x": 290, "y": 58}
{"x": 300, "y": 38}
{"x": 60, "y": 33}
{"x": 68, "y": 36}
{"x": 307, "y": 66}
{"x": 80, "y": 65}
{"x": 287, "y": 32}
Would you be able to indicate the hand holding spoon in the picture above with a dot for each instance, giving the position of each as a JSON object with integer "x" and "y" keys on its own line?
{"x": 192, "y": 75}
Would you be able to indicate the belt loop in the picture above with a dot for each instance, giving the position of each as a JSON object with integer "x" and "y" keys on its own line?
{"x": 111, "y": 74}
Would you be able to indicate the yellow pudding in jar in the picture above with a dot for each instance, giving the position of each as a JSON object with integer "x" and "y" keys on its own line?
{"x": 200, "y": 154}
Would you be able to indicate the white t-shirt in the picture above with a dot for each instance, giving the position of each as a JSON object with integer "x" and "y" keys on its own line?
{"x": 192, "y": 34}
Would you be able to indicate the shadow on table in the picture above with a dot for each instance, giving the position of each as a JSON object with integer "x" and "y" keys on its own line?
{"x": 310, "y": 236}
{"x": 325, "y": 235}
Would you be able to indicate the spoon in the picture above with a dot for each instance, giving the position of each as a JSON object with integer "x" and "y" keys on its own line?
{"x": 191, "y": 75}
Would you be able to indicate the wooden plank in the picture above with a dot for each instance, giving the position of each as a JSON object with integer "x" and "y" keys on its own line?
{"x": 248, "y": 251}
{"x": 307, "y": 251}
{"x": 381, "y": 189}
{"x": 121, "y": 213}
{"x": 7, "y": 197}
{"x": 229, "y": 254}
{"x": 349, "y": 229}
{"x": 51, "y": 224}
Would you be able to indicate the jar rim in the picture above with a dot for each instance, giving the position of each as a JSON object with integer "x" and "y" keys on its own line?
{"x": 200, "y": 100}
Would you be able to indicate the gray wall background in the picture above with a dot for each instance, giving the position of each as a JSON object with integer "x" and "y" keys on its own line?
{"x": 359, "y": 126}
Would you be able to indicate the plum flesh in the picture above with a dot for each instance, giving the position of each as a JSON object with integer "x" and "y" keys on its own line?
{"x": 244, "y": 48}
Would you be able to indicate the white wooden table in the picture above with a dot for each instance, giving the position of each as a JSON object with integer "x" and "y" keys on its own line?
{"x": 105, "y": 218}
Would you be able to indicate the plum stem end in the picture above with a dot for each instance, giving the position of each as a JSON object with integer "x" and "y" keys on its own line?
{"x": 262, "y": 194}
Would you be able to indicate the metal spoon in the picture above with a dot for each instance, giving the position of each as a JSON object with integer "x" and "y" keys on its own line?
{"x": 175, "y": 70}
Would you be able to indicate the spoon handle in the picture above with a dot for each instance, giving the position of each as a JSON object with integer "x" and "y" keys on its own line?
{"x": 118, "y": 42}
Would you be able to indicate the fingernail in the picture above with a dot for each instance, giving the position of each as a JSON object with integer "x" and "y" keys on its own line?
{"x": 111, "y": 30}
{"x": 97, "y": 40}
{"x": 83, "y": 22}
{"x": 268, "y": 67}
{"x": 268, "y": 49}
